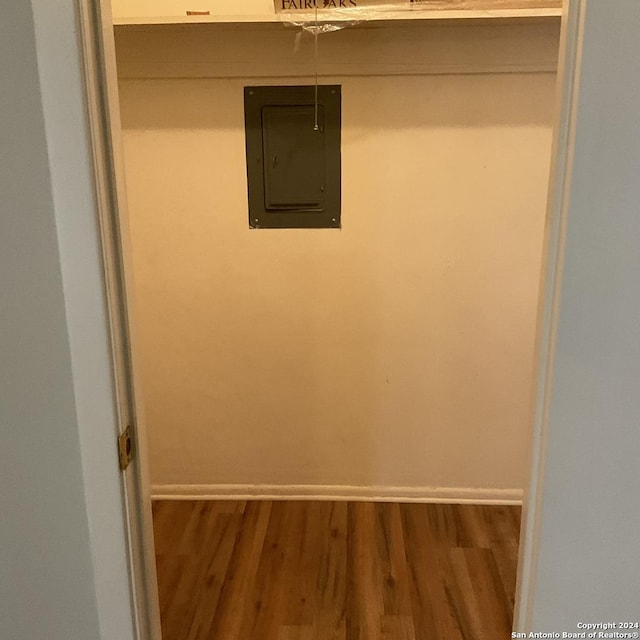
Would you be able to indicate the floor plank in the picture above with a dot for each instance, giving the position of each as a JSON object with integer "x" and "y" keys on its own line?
{"x": 232, "y": 570}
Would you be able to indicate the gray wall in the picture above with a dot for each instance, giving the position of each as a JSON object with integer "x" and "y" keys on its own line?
{"x": 589, "y": 550}
{"x": 62, "y": 552}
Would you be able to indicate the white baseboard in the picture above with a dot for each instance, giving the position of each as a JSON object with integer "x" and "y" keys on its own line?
{"x": 335, "y": 492}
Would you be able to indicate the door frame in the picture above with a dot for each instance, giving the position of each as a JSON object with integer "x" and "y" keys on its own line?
{"x": 103, "y": 110}
{"x": 101, "y": 84}
{"x": 562, "y": 155}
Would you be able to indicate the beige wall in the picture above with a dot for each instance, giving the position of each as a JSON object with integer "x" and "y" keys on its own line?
{"x": 396, "y": 352}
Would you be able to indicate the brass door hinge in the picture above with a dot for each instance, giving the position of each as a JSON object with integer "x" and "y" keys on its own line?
{"x": 125, "y": 448}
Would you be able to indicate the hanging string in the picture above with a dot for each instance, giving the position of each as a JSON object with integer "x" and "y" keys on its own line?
{"x": 316, "y": 126}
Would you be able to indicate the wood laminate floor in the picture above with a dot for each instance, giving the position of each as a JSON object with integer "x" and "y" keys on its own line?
{"x": 232, "y": 570}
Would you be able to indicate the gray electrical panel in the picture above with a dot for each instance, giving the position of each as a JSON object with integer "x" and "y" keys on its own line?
{"x": 293, "y": 156}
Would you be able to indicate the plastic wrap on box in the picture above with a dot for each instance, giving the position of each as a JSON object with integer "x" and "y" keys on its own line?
{"x": 333, "y": 16}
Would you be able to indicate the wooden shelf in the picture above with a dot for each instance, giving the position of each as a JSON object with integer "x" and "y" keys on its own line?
{"x": 460, "y": 10}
